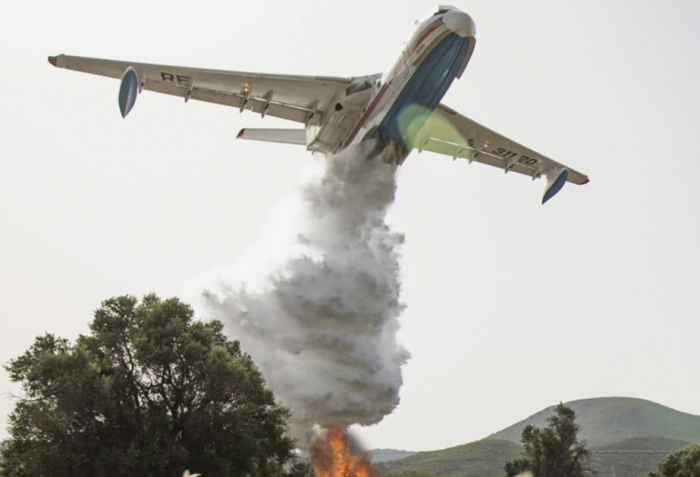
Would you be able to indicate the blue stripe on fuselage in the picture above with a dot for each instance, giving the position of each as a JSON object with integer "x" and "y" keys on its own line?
{"x": 423, "y": 92}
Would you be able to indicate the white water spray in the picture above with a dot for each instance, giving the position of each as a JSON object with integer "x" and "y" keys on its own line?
{"x": 322, "y": 323}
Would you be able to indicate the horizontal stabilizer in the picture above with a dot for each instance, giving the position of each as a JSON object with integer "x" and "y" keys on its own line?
{"x": 284, "y": 136}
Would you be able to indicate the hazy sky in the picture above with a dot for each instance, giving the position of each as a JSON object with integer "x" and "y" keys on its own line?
{"x": 511, "y": 306}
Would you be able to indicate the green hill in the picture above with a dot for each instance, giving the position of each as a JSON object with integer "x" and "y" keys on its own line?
{"x": 627, "y": 437}
{"x": 632, "y": 457}
{"x": 484, "y": 458}
{"x": 385, "y": 455}
{"x": 607, "y": 420}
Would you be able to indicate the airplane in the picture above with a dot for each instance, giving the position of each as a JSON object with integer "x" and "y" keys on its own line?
{"x": 396, "y": 112}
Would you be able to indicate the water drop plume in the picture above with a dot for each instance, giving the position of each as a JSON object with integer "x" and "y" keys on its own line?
{"x": 321, "y": 320}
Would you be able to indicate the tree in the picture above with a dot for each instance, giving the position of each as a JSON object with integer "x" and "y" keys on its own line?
{"x": 553, "y": 451}
{"x": 684, "y": 462}
{"x": 149, "y": 392}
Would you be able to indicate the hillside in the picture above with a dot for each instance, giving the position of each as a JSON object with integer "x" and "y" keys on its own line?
{"x": 632, "y": 457}
{"x": 384, "y": 455}
{"x": 627, "y": 437}
{"x": 484, "y": 458}
{"x": 608, "y": 420}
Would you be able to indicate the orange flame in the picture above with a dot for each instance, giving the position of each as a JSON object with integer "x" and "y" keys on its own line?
{"x": 332, "y": 456}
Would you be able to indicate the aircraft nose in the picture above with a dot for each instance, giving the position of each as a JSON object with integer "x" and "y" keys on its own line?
{"x": 460, "y": 23}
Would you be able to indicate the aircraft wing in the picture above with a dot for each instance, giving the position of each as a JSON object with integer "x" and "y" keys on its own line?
{"x": 296, "y": 98}
{"x": 450, "y": 133}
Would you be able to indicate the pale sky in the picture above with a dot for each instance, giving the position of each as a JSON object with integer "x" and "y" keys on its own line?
{"x": 511, "y": 306}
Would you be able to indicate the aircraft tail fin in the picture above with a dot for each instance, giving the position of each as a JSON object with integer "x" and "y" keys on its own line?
{"x": 285, "y": 136}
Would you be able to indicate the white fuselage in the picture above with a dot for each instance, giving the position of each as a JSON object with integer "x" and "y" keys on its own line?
{"x": 391, "y": 109}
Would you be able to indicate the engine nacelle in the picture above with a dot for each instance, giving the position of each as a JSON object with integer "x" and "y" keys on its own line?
{"x": 128, "y": 91}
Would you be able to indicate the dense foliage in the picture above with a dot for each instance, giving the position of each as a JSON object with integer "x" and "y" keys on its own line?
{"x": 553, "y": 451}
{"x": 149, "y": 392}
{"x": 682, "y": 463}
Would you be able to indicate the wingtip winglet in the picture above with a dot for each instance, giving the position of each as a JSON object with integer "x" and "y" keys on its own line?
{"x": 53, "y": 60}
{"x": 556, "y": 178}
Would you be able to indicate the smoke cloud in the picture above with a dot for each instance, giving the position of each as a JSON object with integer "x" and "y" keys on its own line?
{"x": 321, "y": 320}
